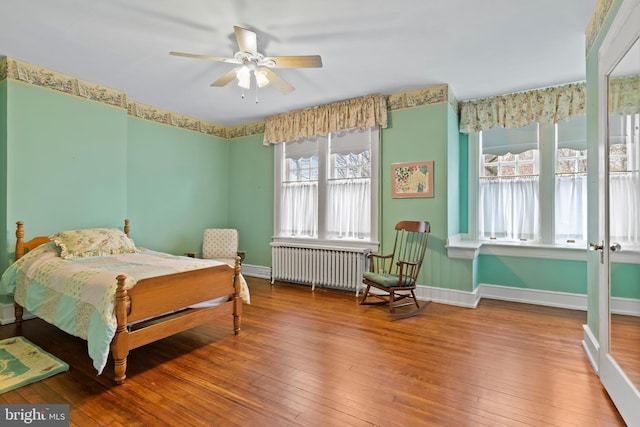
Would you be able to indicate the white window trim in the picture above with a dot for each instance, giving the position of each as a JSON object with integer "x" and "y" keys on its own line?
{"x": 371, "y": 244}
{"x": 469, "y": 246}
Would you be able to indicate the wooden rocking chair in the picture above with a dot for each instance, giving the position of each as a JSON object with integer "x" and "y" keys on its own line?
{"x": 396, "y": 274}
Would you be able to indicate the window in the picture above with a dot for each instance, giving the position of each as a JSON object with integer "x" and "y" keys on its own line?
{"x": 326, "y": 187}
{"x": 531, "y": 183}
{"x": 570, "y": 207}
{"x": 624, "y": 178}
{"x": 508, "y": 184}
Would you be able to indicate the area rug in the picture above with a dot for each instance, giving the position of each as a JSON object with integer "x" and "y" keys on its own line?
{"x": 22, "y": 363}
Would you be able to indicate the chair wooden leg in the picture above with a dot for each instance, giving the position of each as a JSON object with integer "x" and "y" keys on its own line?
{"x": 414, "y": 298}
{"x": 391, "y": 301}
{"x": 365, "y": 294}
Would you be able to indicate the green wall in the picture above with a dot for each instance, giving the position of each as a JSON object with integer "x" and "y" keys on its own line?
{"x": 464, "y": 183}
{"x": 66, "y": 162}
{"x": 413, "y": 135}
{"x": 453, "y": 173}
{"x": 251, "y": 197}
{"x": 533, "y": 273}
{"x": 624, "y": 280}
{"x": 177, "y": 185}
{"x": 73, "y": 163}
{"x": 4, "y": 237}
{"x": 427, "y": 133}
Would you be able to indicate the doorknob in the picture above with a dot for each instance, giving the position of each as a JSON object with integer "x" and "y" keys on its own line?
{"x": 596, "y": 246}
{"x": 615, "y": 247}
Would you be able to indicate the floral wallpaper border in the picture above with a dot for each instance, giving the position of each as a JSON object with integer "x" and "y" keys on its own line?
{"x": 157, "y": 115}
{"x": 39, "y": 76}
{"x": 597, "y": 20}
{"x": 25, "y": 72}
{"x": 3, "y": 68}
{"x": 419, "y": 97}
{"x": 249, "y": 129}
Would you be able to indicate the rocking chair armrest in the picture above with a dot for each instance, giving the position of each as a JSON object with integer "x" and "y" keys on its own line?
{"x": 380, "y": 263}
{"x": 406, "y": 268}
{"x": 372, "y": 255}
{"x": 400, "y": 262}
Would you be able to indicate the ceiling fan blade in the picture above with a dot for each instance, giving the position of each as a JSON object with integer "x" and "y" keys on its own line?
{"x": 225, "y": 79}
{"x": 247, "y": 40}
{"x": 308, "y": 61}
{"x": 277, "y": 82}
{"x": 211, "y": 58}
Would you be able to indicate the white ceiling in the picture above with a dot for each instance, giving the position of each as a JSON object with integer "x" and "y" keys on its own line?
{"x": 479, "y": 48}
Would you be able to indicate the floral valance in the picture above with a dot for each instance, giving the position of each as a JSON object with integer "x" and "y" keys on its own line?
{"x": 358, "y": 113}
{"x": 550, "y": 105}
{"x": 624, "y": 95}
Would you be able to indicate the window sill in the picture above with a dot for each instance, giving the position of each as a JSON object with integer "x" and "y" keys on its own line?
{"x": 459, "y": 247}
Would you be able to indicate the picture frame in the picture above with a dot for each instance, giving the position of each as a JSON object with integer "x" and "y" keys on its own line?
{"x": 412, "y": 179}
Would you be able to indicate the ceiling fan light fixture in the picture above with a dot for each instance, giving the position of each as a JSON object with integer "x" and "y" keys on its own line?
{"x": 261, "y": 78}
{"x": 244, "y": 77}
{"x": 248, "y": 59}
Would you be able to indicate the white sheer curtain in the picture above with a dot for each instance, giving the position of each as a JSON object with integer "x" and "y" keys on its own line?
{"x": 325, "y": 189}
{"x": 571, "y": 207}
{"x": 349, "y": 208}
{"x": 299, "y": 209}
{"x": 509, "y": 208}
{"x": 624, "y": 207}
{"x": 624, "y": 186}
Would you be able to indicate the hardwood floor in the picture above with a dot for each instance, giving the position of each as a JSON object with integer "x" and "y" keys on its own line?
{"x": 319, "y": 359}
{"x": 625, "y": 338}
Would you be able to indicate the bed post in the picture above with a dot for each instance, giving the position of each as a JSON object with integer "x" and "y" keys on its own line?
{"x": 120, "y": 342}
{"x": 17, "y": 308}
{"x": 18, "y": 313}
{"x": 127, "y": 228}
{"x": 237, "y": 301}
{"x": 19, "y": 240}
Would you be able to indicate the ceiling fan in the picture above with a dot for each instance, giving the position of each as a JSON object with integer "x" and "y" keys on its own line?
{"x": 250, "y": 60}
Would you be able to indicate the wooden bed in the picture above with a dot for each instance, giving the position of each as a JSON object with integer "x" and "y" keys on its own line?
{"x": 141, "y": 311}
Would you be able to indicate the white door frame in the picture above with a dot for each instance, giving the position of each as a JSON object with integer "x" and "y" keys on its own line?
{"x": 623, "y": 32}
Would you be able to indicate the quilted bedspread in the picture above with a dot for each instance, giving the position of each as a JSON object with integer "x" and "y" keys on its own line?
{"x": 77, "y": 295}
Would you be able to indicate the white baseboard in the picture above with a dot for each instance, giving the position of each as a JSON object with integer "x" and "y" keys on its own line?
{"x": 534, "y": 296}
{"x": 256, "y": 271}
{"x": 630, "y": 307}
{"x": 591, "y": 347}
{"x": 627, "y": 306}
{"x": 502, "y": 293}
{"x": 7, "y": 314}
{"x": 448, "y": 296}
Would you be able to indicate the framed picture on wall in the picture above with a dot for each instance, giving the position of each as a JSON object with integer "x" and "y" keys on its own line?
{"x": 414, "y": 179}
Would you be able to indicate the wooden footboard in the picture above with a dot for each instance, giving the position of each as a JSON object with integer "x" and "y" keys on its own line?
{"x": 157, "y": 307}
{"x": 161, "y": 301}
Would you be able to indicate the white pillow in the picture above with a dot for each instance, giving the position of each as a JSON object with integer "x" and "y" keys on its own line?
{"x": 93, "y": 242}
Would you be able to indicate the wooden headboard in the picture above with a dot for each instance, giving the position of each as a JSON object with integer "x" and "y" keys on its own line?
{"x": 23, "y": 247}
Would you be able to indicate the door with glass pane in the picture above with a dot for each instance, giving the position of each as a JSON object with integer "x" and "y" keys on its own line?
{"x": 620, "y": 332}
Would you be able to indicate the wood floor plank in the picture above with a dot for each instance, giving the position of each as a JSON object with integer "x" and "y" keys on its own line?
{"x": 318, "y": 358}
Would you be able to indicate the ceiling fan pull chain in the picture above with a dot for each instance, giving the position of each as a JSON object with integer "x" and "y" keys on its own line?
{"x": 256, "y": 93}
